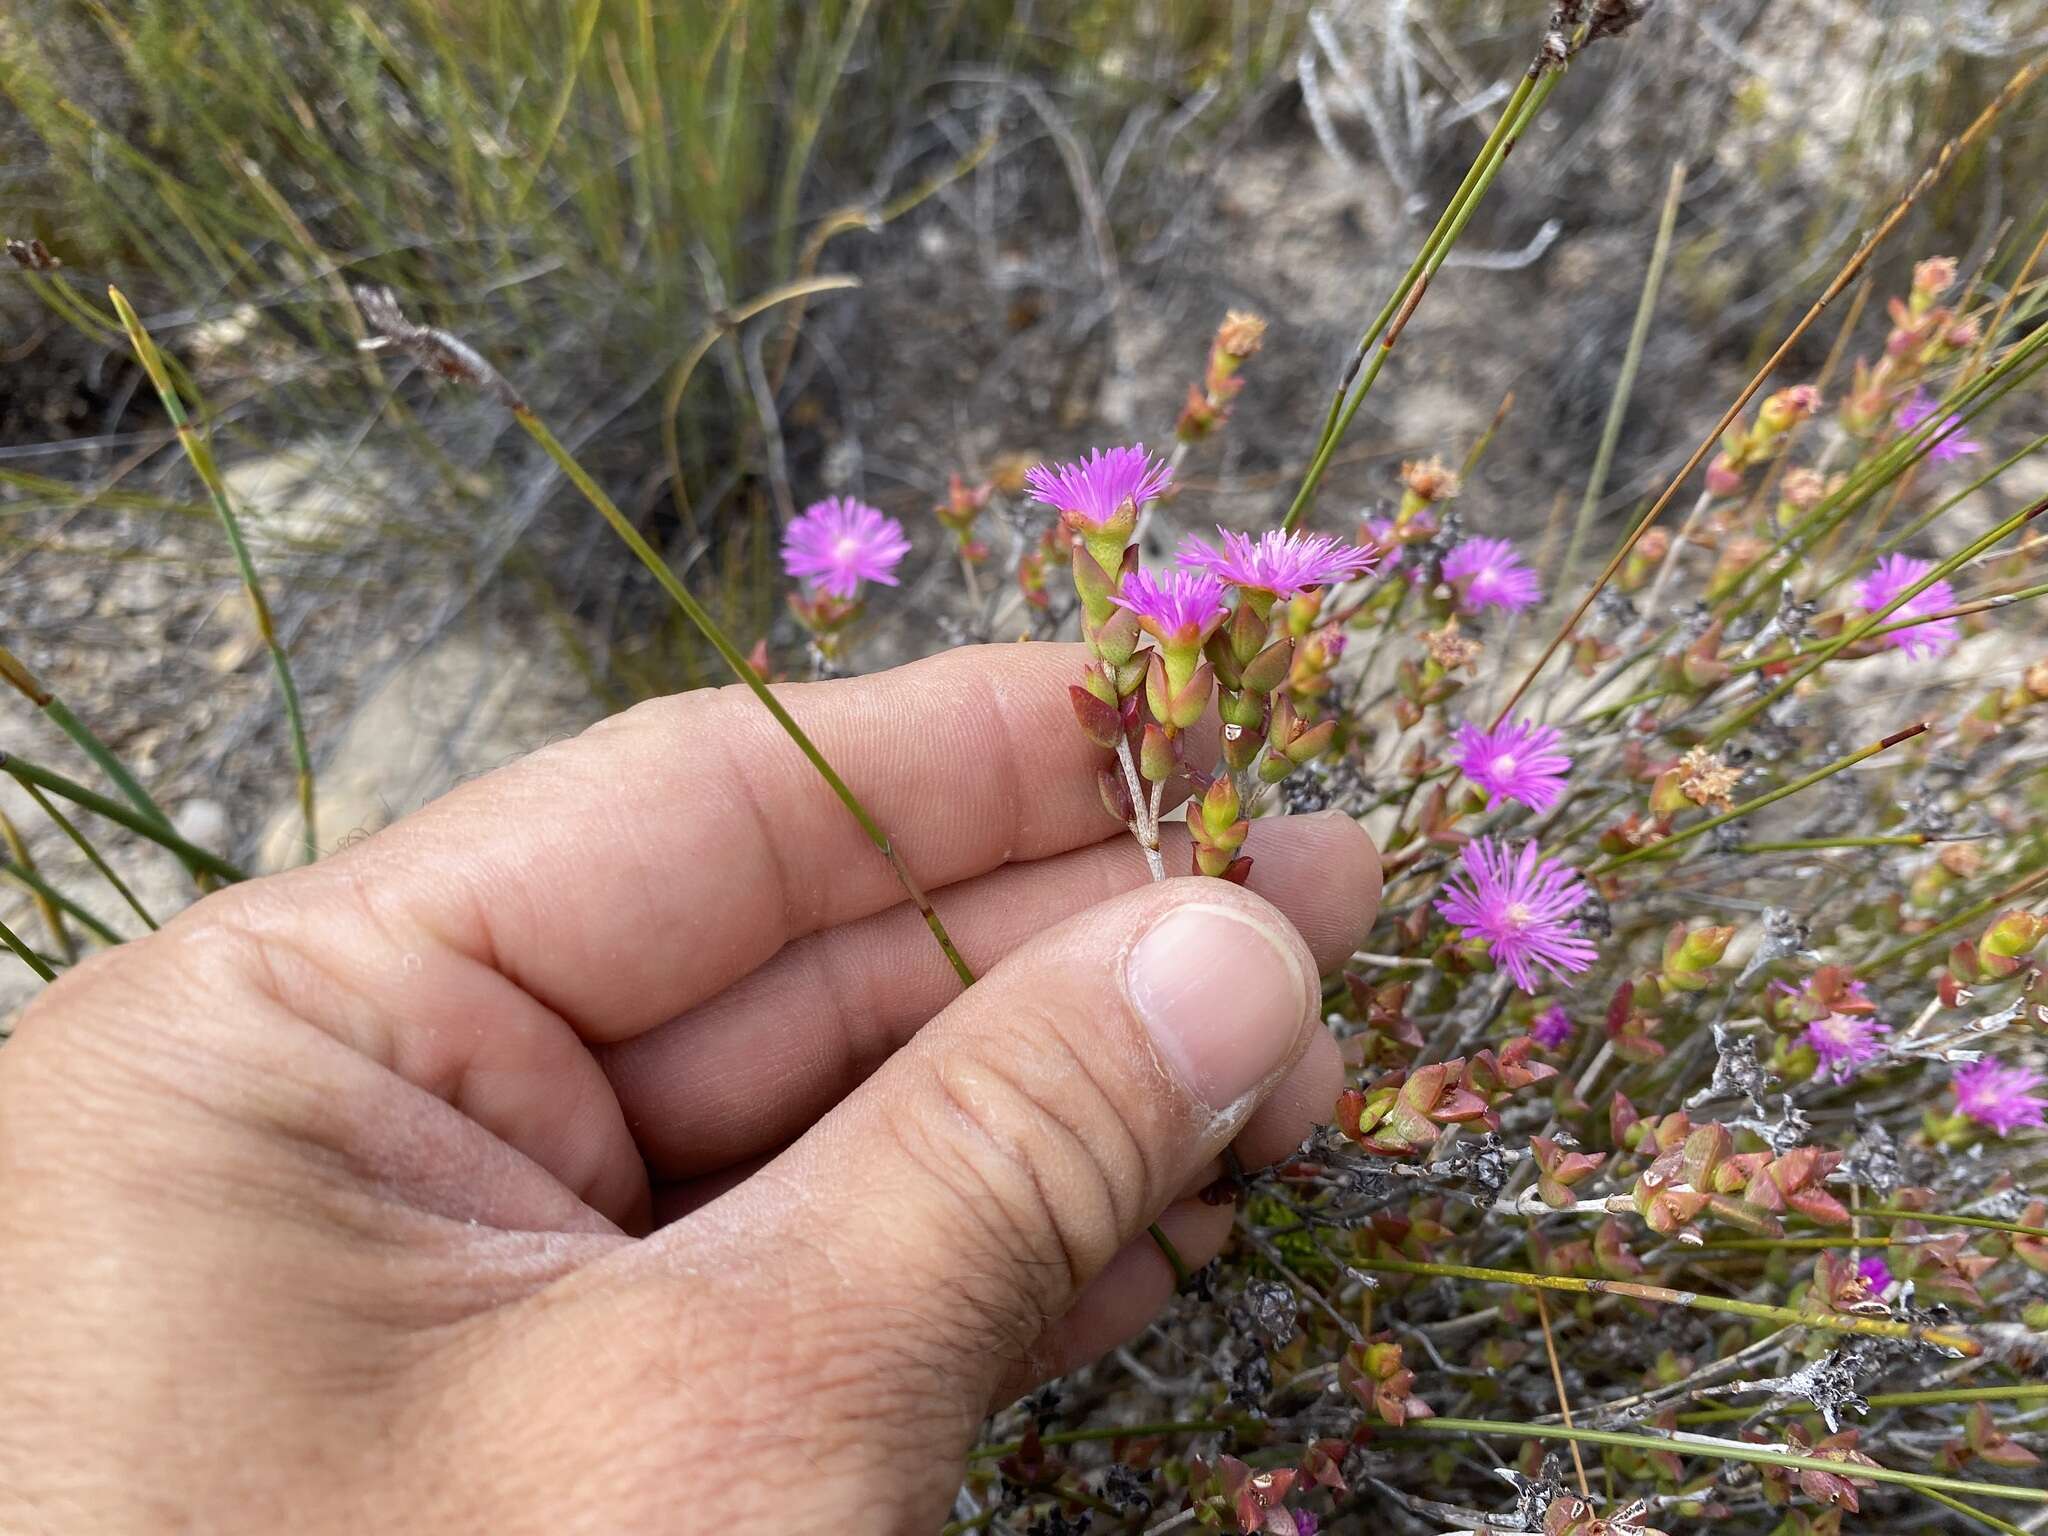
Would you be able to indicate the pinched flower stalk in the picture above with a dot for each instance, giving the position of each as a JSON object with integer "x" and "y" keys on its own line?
{"x": 1140, "y": 699}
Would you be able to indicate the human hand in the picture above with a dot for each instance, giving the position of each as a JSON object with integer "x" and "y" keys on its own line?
{"x": 608, "y": 1147}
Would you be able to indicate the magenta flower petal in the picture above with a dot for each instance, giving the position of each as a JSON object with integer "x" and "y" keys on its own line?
{"x": 1281, "y": 563}
{"x": 1518, "y": 761}
{"x": 1999, "y": 1096}
{"x": 1891, "y": 576}
{"x": 1179, "y": 608}
{"x": 1846, "y": 1043}
{"x": 838, "y": 543}
{"x": 1092, "y": 490}
{"x": 1950, "y": 442}
{"x": 1553, "y": 1028}
{"x": 1522, "y": 904}
{"x": 1487, "y": 573}
{"x": 1876, "y": 1274}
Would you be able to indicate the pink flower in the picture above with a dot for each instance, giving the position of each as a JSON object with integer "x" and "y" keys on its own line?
{"x": 1846, "y": 1043}
{"x": 1092, "y": 491}
{"x": 1521, "y": 903}
{"x": 838, "y": 543}
{"x": 1553, "y": 1028}
{"x": 1283, "y": 564}
{"x": 1999, "y": 1096}
{"x": 1517, "y": 761}
{"x": 1876, "y": 1274}
{"x": 1950, "y": 441}
{"x": 1489, "y": 574}
{"x": 1177, "y": 609}
{"x": 1893, "y": 575}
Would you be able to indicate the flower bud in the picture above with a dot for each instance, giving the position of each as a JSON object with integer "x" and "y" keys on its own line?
{"x": 1784, "y": 409}
{"x": 1688, "y": 956}
{"x": 2008, "y": 940}
{"x": 1220, "y": 806}
{"x": 1932, "y": 277}
{"x": 1424, "y": 482}
{"x": 1724, "y": 475}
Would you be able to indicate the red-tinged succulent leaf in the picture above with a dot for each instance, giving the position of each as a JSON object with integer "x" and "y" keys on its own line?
{"x": 1323, "y": 1465}
{"x": 1818, "y": 1205}
{"x": 1458, "y": 1106}
{"x": 1611, "y": 1252}
{"x": 1621, "y": 1118}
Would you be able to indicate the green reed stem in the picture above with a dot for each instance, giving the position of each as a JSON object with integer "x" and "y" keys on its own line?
{"x": 1730, "y": 1450}
{"x": 92, "y": 854}
{"x": 1804, "y": 781}
{"x": 29, "y": 957}
{"x": 1530, "y": 94}
{"x": 1800, "y": 844}
{"x": 1941, "y": 1218}
{"x": 2020, "y": 1392}
{"x": 1429, "y": 244}
{"x": 1948, "y": 925}
{"x": 1882, "y": 1328}
{"x": 31, "y": 880}
{"x": 208, "y": 470}
{"x": 17, "y": 675}
{"x": 744, "y": 671}
{"x": 48, "y": 905}
{"x": 1982, "y": 1517}
{"x": 113, "y": 810}
{"x": 1631, "y": 362}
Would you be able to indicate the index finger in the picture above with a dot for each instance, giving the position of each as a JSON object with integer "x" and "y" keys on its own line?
{"x": 631, "y": 873}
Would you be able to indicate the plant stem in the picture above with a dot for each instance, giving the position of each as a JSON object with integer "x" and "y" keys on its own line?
{"x": 1731, "y": 1450}
{"x": 1143, "y": 827}
{"x": 29, "y": 957}
{"x": 1530, "y": 93}
{"x": 1883, "y": 1328}
{"x": 202, "y": 460}
{"x": 92, "y": 854}
{"x": 113, "y": 810}
{"x": 1685, "y": 834}
{"x": 1631, "y": 363}
{"x": 2018, "y": 1393}
{"x": 49, "y": 897}
{"x": 1982, "y": 1517}
{"x": 48, "y": 905}
{"x": 1940, "y": 1218}
{"x": 31, "y": 687}
{"x": 744, "y": 671}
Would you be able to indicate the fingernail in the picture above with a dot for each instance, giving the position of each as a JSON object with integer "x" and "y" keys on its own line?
{"x": 1223, "y": 997}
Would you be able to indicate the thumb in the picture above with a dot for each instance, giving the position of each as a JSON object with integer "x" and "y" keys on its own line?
{"x": 999, "y": 1163}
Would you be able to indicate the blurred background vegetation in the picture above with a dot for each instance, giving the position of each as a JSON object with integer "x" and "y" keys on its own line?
{"x": 1047, "y": 205}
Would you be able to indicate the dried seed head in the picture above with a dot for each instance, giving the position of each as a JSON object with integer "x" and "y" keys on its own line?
{"x": 1429, "y": 480}
{"x": 1241, "y": 334}
{"x": 1708, "y": 780}
{"x": 1450, "y": 650}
